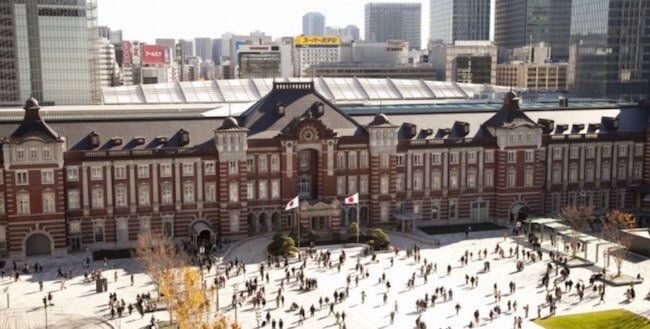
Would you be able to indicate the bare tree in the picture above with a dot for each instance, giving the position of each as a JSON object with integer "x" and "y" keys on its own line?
{"x": 613, "y": 227}
{"x": 578, "y": 218}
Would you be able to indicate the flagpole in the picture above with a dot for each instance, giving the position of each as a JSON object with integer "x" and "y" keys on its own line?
{"x": 358, "y": 222}
{"x": 298, "y": 219}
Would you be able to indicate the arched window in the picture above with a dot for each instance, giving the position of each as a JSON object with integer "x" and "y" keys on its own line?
{"x": 384, "y": 184}
{"x": 233, "y": 191}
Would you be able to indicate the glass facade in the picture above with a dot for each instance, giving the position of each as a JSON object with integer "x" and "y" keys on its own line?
{"x": 394, "y": 21}
{"x": 452, "y": 20}
{"x": 47, "y": 50}
{"x": 610, "y": 48}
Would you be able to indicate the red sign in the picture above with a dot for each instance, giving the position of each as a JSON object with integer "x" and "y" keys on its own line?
{"x": 153, "y": 54}
{"x": 126, "y": 52}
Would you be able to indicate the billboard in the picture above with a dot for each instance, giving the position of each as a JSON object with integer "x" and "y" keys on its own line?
{"x": 135, "y": 53}
{"x": 317, "y": 40}
{"x": 126, "y": 52}
{"x": 153, "y": 54}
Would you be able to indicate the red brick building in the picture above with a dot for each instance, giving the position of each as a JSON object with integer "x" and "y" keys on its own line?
{"x": 97, "y": 181}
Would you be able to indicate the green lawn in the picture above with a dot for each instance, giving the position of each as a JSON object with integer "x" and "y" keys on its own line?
{"x": 614, "y": 319}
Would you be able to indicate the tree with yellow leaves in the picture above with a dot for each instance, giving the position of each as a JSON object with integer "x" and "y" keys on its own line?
{"x": 578, "y": 218}
{"x": 613, "y": 226}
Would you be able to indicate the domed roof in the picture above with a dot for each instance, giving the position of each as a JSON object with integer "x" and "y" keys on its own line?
{"x": 31, "y": 103}
{"x": 509, "y": 96}
{"x": 379, "y": 120}
{"x": 230, "y": 123}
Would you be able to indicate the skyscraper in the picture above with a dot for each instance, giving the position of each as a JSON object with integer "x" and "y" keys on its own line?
{"x": 394, "y": 21}
{"x": 452, "y": 20}
{"x": 350, "y": 33}
{"x": 48, "y": 49}
{"x": 187, "y": 49}
{"x": 610, "y": 48}
{"x": 313, "y": 24}
{"x": 523, "y": 22}
{"x": 203, "y": 48}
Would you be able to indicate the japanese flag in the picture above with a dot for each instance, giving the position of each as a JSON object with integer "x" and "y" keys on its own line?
{"x": 352, "y": 199}
{"x": 292, "y": 204}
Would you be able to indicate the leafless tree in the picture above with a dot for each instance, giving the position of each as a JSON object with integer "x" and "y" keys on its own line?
{"x": 578, "y": 218}
{"x": 613, "y": 226}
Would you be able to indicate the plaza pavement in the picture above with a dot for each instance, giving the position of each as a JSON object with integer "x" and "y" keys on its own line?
{"x": 79, "y": 306}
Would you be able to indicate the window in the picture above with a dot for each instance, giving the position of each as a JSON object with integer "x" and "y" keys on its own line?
{"x": 2, "y": 203}
{"x": 489, "y": 178}
{"x": 574, "y": 153}
{"x": 604, "y": 200}
{"x": 304, "y": 158}
{"x": 22, "y": 199}
{"x": 620, "y": 198}
{"x": 143, "y": 171}
{"x": 122, "y": 229}
{"x": 188, "y": 193}
{"x": 436, "y": 180}
{"x": 33, "y": 154}
{"x": 638, "y": 150}
{"x": 261, "y": 163}
{"x": 637, "y": 170}
{"x": 436, "y": 158}
{"x": 96, "y": 173}
{"x": 340, "y": 160}
{"x": 166, "y": 170}
{"x": 250, "y": 163}
{"x": 352, "y": 184}
{"x": 529, "y": 137}
{"x": 73, "y": 199}
{"x": 3, "y": 237}
{"x": 384, "y": 184}
{"x": 555, "y": 202}
{"x": 145, "y": 225}
{"x": 530, "y": 156}
{"x": 340, "y": 185}
{"x": 210, "y": 192}
{"x": 557, "y": 153}
{"x": 435, "y": 209}
{"x": 304, "y": 186}
{"x": 573, "y": 174}
{"x": 363, "y": 159}
{"x": 143, "y": 195}
{"x": 471, "y": 178}
{"x": 622, "y": 170}
{"x": 591, "y": 152}
{"x": 48, "y": 202}
{"x": 20, "y": 154}
{"x": 417, "y": 159}
{"x": 262, "y": 189}
{"x": 479, "y": 210}
{"x": 417, "y": 207}
{"x": 188, "y": 169}
{"x": 98, "y": 230}
{"x": 512, "y": 156}
{"x": 607, "y": 151}
{"x": 399, "y": 182}
{"x": 275, "y": 163}
{"x": 418, "y": 181}
{"x": 383, "y": 211}
{"x": 275, "y": 189}
{"x": 250, "y": 190}
{"x": 511, "y": 180}
{"x": 47, "y": 176}
{"x": 489, "y": 156}
{"x": 571, "y": 199}
{"x": 22, "y": 177}
{"x": 352, "y": 160}
{"x": 47, "y": 153}
{"x": 234, "y": 221}
{"x": 511, "y": 138}
{"x": 557, "y": 175}
{"x": 168, "y": 225}
{"x": 119, "y": 172}
{"x": 232, "y": 168}
{"x": 453, "y": 179}
{"x": 120, "y": 196}
{"x": 97, "y": 199}
{"x": 471, "y": 157}
{"x": 166, "y": 193}
{"x": 384, "y": 161}
{"x": 363, "y": 184}
{"x": 589, "y": 172}
{"x": 453, "y": 158}
{"x": 233, "y": 191}
{"x": 528, "y": 176}
{"x": 622, "y": 150}
{"x": 453, "y": 208}
{"x": 605, "y": 172}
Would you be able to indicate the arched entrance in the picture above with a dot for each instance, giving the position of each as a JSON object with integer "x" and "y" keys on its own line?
{"x": 38, "y": 244}
{"x": 363, "y": 216}
{"x": 518, "y": 212}
{"x": 251, "y": 223}
{"x": 262, "y": 221}
{"x": 202, "y": 233}
{"x": 352, "y": 215}
{"x": 275, "y": 221}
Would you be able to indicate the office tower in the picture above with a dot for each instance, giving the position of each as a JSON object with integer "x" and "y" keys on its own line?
{"x": 216, "y": 51}
{"x": 452, "y": 20}
{"x": 394, "y": 21}
{"x": 350, "y": 33}
{"x": 49, "y": 51}
{"x": 522, "y": 22}
{"x": 108, "y": 68}
{"x": 610, "y": 48}
{"x": 203, "y": 48}
{"x": 187, "y": 49}
{"x": 104, "y": 32}
{"x": 313, "y": 24}
{"x": 116, "y": 37}
{"x": 169, "y": 43}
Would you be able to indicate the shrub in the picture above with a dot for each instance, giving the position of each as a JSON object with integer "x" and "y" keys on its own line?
{"x": 282, "y": 245}
{"x": 379, "y": 240}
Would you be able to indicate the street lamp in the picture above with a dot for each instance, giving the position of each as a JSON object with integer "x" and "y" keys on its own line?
{"x": 45, "y": 316}
{"x": 201, "y": 254}
{"x": 518, "y": 227}
{"x": 234, "y": 287}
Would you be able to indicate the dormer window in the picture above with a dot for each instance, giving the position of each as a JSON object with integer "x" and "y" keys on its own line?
{"x": 94, "y": 139}
{"x": 47, "y": 153}
{"x": 139, "y": 140}
{"x": 117, "y": 140}
{"x": 184, "y": 136}
{"x": 280, "y": 109}
{"x": 33, "y": 154}
{"x": 20, "y": 154}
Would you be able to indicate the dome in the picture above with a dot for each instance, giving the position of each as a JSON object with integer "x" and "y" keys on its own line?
{"x": 31, "y": 103}
{"x": 380, "y": 119}
{"x": 230, "y": 123}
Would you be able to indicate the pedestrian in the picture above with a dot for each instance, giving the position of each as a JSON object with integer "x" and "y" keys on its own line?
{"x": 457, "y": 308}
{"x": 132, "y": 280}
{"x": 392, "y": 317}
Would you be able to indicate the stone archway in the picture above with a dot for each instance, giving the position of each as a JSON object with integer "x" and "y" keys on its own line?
{"x": 518, "y": 212}
{"x": 38, "y": 243}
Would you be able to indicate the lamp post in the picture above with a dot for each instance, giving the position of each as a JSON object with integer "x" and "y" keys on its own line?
{"x": 557, "y": 254}
{"x": 518, "y": 226}
{"x": 234, "y": 287}
{"x": 45, "y": 316}
{"x": 217, "y": 283}
{"x": 201, "y": 255}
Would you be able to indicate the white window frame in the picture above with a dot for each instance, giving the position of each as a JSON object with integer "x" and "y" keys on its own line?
{"x": 165, "y": 170}
{"x": 622, "y": 150}
{"x": 400, "y": 182}
{"x": 557, "y": 153}
{"x": 638, "y": 150}
{"x": 47, "y": 176}
{"x": 352, "y": 184}
{"x": 275, "y": 163}
{"x": 46, "y": 153}
{"x": 530, "y": 156}
{"x": 23, "y": 204}
{"x": 529, "y": 176}
{"x": 352, "y": 160}
{"x": 22, "y": 177}
{"x": 97, "y": 197}
{"x": 606, "y": 151}
{"x": 143, "y": 171}
{"x": 340, "y": 160}
{"x": 453, "y": 158}
{"x": 210, "y": 192}
{"x": 74, "y": 199}
{"x": 33, "y": 153}
{"x": 263, "y": 189}
{"x": 471, "y": 178}
{"x": 233, "y": 191}
{"x": 363, "y": 159}
{"x": 574, "y": 152}
{"x": 96, "y": 173}
{"x": 250, "y": 190}
{"x": 418, "y": 181}
{"x": 275, "y": 189}
{"x": 488, "y": 178}
{"x": 122, "y": 229}
{"x": 49, "y": 202}
{"x": 453, "y": 179}
{"x": 99, "y": 229}
{"x": 144, "y": 195}
{"x": 262, "y": 164}
{"x": 436, "y": 180}
{"x": 250, "y": 163}
{"x": 363, "y": 184}
{"x": 166, "y": 193}
{"x": 119, "y": 172}
{"x": 384, "y": 184}
{"x": 20, "y": 154}
{"x": 471, "y": 157}
{"x": 384, "y": 161}
{"x": 436, "y": 158}
{"x": 188, "y": 169}
{"x": 121, "y": 199}
{"x": 489, "y": 156}
{"x": 233, "y": 168}
{"x": 512, "y": 156}
{"x": 417, "y": 159}
{"x": 511, "y": 179}
{"x": 188, "y": 193}
{"x": 209, "y": 168}
{"x": 637, "y": 170}
{"x": 340, "y": 185}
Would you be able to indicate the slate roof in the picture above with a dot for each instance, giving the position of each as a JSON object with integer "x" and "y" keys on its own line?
{"x": 32, "y": 125}
{"x": 508, "y": 113}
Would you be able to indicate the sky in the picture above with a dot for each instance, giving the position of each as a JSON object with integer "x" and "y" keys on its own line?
{"x": 146, "y": 20}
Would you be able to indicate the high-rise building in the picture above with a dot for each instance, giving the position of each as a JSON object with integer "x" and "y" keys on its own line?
{"x": 108, "y": 69}
{"x": 104, "y": 32}
{"x": 217, "y": 51}
{"x": 203, "y": 48}
{"x": 350, "y": 33}
{"x": 169, "y": 43}
{"x": 521, "y": 22}
{"x": 187, "y": 49}
{"x": 48, "y": 49}
{"x": 452, "y": 20}
{"x": 313, "y": 24}
{"x": 465, "y": 62}
{"x": 116, "y": 37}
{"x": 610, "y": 48}
{"x": 394, "y": 21}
